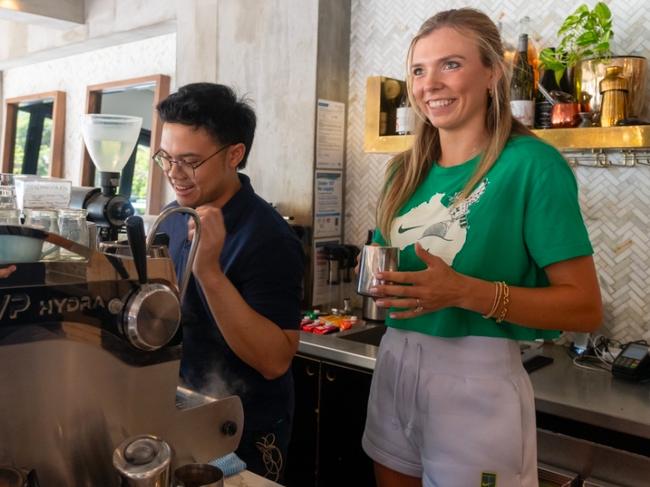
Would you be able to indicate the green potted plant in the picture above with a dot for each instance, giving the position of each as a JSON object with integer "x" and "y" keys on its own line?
{"x": 584, "y": 50}
{"x": 584, "y": 34}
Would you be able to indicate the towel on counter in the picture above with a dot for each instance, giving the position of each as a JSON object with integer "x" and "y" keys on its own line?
{"x": 229, "y": 464}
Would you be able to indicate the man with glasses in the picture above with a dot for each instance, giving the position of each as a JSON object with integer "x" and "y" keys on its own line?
{"x": 242, "y": 307}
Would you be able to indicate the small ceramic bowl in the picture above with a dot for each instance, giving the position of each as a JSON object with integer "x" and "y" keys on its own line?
{"x": 16, "y": 249}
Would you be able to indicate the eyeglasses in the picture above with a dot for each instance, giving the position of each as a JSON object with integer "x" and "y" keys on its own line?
{"x": 188, "y": 168}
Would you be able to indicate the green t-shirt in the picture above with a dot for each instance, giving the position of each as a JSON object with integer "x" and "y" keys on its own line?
{"x": 521, "y": 218}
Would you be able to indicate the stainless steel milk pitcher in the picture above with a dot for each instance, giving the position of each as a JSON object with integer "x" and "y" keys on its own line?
{"x": 375, "y": 259}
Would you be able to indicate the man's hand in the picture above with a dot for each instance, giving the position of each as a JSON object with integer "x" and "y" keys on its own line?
{"x": 6, "y": 272}
{"x": 213, "y": 234}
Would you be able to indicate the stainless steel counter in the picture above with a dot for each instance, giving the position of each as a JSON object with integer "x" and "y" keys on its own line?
{"x": 336, "y": 349}
{"x": 561, "y": 388}
{"x": 591, "y": 397}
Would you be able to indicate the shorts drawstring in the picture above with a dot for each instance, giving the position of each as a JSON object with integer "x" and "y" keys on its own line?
{"x": 409, "y": 425}
{"x": 395, "y": 421}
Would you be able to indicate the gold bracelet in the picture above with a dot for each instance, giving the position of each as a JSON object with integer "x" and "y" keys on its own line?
{"x": 506, "y": 302}
{"x": 497, "y": 298}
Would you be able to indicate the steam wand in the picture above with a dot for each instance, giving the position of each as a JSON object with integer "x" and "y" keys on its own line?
{"x": 195, "y": 241}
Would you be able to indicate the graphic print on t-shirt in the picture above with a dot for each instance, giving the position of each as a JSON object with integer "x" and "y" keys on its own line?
{"x": 441, "y": 230}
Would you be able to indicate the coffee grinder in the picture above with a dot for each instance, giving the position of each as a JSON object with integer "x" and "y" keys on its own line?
{"x": 110, "y": 140}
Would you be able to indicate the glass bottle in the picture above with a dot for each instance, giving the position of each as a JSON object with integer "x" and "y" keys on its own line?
{"x": 542, "y": 106}
{"x": 521, "y": 85}
{"x": 532, "y": 50}
{"x": 391, "y": 89}
{"x": 405, "y": 118}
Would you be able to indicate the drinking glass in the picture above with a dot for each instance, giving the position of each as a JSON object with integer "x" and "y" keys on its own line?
{"x": 72, "y": 225}
{"x": 7, "y": 191}
{"x": 46, "y": 220}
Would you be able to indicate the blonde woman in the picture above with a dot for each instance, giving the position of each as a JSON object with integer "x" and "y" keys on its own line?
{"x": 493, "y": 249}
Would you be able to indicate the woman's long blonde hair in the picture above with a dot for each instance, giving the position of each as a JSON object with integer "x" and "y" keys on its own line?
{"x": 408, "y": 169}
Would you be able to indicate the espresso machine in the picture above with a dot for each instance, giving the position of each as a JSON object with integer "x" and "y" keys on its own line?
{"x": 90, "y": 353}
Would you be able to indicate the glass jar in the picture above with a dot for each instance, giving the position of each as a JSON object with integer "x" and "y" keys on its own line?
{"x": 9, "y": 216}
{"x": 45, "y": 220}
{"x": 72, "y": 225}
{"x": 7, "y": 191}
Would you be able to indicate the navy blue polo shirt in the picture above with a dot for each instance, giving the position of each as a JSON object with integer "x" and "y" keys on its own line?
{"x": 264, "y": 260}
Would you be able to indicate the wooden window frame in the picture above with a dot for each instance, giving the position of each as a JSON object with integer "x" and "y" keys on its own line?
{"x": 58, "y": 130}
{"x": 156, "y": 181}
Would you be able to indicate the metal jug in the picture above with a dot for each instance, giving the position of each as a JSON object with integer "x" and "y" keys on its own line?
{"x": 372, "y": 312}
{"x": 198, "y": 475}
{"x": 614, "y": 88}
{"x": 143, "y": 461}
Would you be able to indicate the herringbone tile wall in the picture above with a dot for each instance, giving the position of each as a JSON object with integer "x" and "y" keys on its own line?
{"x": 615, "y": 204}
{"x": 615, "y": 200}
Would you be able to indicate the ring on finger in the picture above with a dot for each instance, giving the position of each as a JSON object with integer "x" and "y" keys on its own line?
{"x": 418, "y": 308}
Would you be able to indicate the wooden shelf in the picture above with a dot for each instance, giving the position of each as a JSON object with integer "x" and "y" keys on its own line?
{"x": 623, "y": 138}
{"x": 630, "y": 137}
{"x": 373, "y": 142}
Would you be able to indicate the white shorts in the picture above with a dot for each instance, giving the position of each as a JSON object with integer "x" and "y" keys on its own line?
{"x": 458, "y": 412}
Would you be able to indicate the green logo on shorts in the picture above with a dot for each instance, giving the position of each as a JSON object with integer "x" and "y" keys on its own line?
{"x": 488, "y": 479}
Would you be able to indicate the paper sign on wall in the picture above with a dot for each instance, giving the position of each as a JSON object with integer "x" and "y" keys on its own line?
{"x": 330, "y": 134}
{"x": 328, "y": 203}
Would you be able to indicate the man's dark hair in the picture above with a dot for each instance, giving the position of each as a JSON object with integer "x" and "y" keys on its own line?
{"x": 216, "y": 109}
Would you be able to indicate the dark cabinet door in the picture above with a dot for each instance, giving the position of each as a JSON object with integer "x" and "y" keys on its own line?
{"x": 301, "y": 460}
{"x": 343, "y": 404}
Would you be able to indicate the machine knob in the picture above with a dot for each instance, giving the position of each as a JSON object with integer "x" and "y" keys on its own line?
{"x": 151, "y": 316}
{"x": 229, "y": 428}
{"x": 143, "y": 461}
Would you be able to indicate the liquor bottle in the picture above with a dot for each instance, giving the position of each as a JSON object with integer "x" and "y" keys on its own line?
{"x": 522, "y": 85}
{"x": 391, "y": 90}
{"x": 405, "y": 121}
{"x": 542, "y": 106}
{"x": 525, "y": 27}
